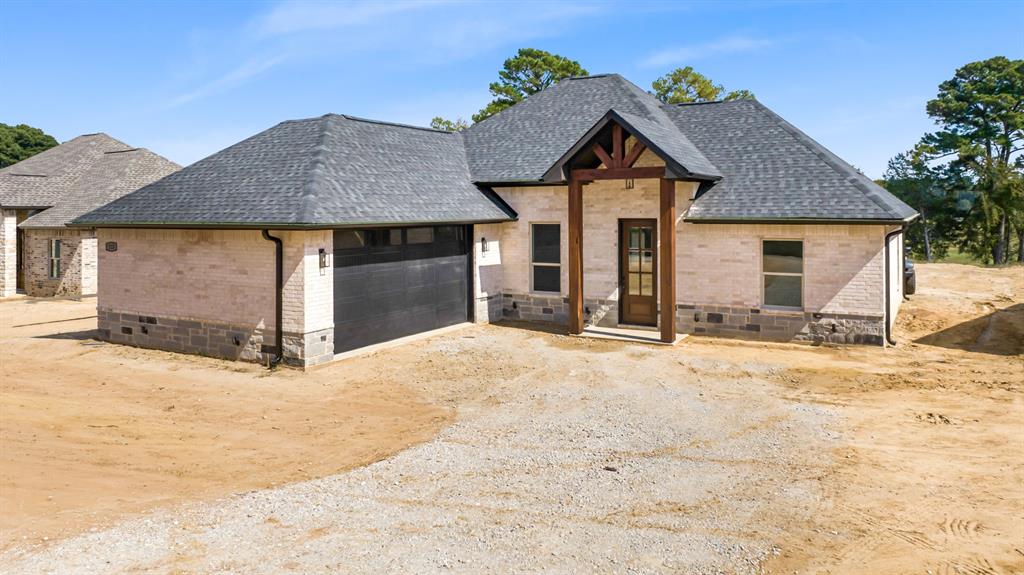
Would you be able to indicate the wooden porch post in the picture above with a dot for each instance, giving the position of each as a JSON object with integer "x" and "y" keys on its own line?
{"x": 575, "y": 256}
{"x": 667, "y": 267}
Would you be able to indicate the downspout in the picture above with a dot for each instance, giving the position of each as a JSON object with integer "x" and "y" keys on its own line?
{"x": 278, "y": 297}
{"x": 888, "y": 284}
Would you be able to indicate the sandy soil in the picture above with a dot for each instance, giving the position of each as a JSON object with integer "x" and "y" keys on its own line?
{"x": 927, "y": 475}
{"x": 90, "y": 432}
{"x": 931, "y": 476}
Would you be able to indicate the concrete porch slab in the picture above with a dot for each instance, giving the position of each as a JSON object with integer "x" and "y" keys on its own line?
{"x": 628, "y": 334}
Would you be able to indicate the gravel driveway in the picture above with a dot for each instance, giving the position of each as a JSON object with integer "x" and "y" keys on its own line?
{"x": 587, "y": 457}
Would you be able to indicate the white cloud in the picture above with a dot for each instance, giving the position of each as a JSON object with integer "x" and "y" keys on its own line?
{"x": 728, "y": 45}
{"x": 303, "y": 16}
{"x": 249, "y": 69}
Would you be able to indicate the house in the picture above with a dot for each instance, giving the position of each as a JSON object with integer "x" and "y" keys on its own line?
{"x": 40, "y": 195}
{"x": 588, "y": 204}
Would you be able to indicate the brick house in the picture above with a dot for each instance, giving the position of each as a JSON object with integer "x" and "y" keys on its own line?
{"x": 589, "y": 204}
{"x": 39, "y": 254}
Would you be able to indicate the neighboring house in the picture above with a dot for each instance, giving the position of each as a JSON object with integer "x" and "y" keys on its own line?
{"x": 587, "y": 203}
{"x": 39, "y": 195}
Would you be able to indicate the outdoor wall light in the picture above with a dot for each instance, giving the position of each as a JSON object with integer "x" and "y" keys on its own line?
{"x": 629, "y": 184}
{"x": 323, "y": 258}
{"x": 483, "y": 245}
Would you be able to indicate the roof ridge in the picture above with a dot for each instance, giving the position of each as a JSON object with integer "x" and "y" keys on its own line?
{"x": 591, "y": 76}
{"x": 831, "y": 160}
{"x": 386, "y": 123}
{"x": 703, "y": 102}
{"x": 316, "y": 172}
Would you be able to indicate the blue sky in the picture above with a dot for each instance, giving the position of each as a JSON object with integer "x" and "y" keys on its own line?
{"x": 186, "y": 79}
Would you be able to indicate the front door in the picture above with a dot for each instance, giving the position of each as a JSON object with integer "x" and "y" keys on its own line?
{"x": 637, "y": 272}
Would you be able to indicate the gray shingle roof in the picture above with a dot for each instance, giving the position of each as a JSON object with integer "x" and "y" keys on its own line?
{"x": 77, "y": 176}
{"x": 521, "y": 143}
{"x": 327, "y": 171}
{"x": 773, "y": 171}
{"x": 339, "y": 171}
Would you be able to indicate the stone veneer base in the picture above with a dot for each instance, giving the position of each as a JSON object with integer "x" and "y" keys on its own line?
{"x": 213, "y": 339}
{"x": 720, "y": 321}
{"x": 774, "y": 325}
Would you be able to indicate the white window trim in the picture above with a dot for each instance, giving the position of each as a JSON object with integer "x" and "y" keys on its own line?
{"x": 803, "y": 272}
{"x": 52, "y": 259}
{"x": 544, "y": 264}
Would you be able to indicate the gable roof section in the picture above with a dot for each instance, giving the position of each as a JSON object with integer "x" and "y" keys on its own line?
{"x": 664, "y": 142}
{"x": 522, "y": 143}
{"x": 773, "y": 171}
{"x": 330, "y": 171}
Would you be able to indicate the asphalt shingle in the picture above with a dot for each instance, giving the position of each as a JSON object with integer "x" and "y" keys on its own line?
{"x": 328, "y": 171}
{"x": 343, "y": 171}
{"x": 773, "y": 171}
{"x": 521, "y": 143}
{"x": 77, "y": 176}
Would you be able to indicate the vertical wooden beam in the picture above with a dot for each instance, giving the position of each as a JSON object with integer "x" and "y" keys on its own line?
{"x": 575, "y": 256}
{"x": 667, "y": 265}
{"x": 617, "y": 146}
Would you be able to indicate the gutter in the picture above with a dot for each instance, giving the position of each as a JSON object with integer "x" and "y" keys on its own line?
{"x": 798, "y": 221}
{"x": 280, "y": 225}
{"x": 888, "y": 285}
{"x": 278, "y": 298}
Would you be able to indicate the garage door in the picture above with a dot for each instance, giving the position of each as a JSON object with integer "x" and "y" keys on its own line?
{"x": 390, "y": 283}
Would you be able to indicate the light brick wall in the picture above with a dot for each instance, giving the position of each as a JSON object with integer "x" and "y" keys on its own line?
{"x": 309, "y": 290}
{"x": 78, "y": 262}
{"x": 488, "y": 273}
{"x": 843, "y": 265}
{"x": 8, "y": 253}
{"x": 716, "y": 264}
{"x": 223, "y": 277}
{"x": 605, "y": 202}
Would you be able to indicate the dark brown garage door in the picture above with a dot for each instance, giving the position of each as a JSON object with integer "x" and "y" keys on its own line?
{"x": 390, "y": 283}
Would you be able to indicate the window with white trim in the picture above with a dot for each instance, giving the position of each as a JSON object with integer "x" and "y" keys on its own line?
{"x": 54, "y": 259}
{"x": 782, "y": 268}
{"x": 546, "y": 258}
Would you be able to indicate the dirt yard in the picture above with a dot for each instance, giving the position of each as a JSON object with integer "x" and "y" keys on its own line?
{"x": 506, "y": 449}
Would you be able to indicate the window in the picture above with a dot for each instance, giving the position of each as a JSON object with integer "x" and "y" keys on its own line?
{"x": 419, "y": 235}
{"x": 381, "y": 245}
{"x": 546, "y": 257}
{"x": 54, "y": 259}
{"x": 783, "y": 270}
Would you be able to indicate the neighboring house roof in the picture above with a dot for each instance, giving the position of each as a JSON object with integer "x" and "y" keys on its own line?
{"x": 327, "y": 171}
{"x": 522, "y": 143}
{"x": 336, "y": 171}
{"x": 78, "y": 176}
{"x": 773, "y": 171}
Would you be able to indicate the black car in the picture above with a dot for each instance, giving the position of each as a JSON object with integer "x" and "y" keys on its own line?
{"x": 909, "y": 275}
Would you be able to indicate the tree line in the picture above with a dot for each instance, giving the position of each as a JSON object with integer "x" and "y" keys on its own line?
{"x": 22, "y": 141}
{"x": 967, "y": 178}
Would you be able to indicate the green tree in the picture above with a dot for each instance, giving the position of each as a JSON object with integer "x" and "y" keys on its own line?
{"x": 456, "y": 125}
{"x": 933, "y": 192}
{"x": 980, "y": 112}
{"x": 684, "y": 85}
{"x": 528, "y": 72}
{"x": 22, "y": 141}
